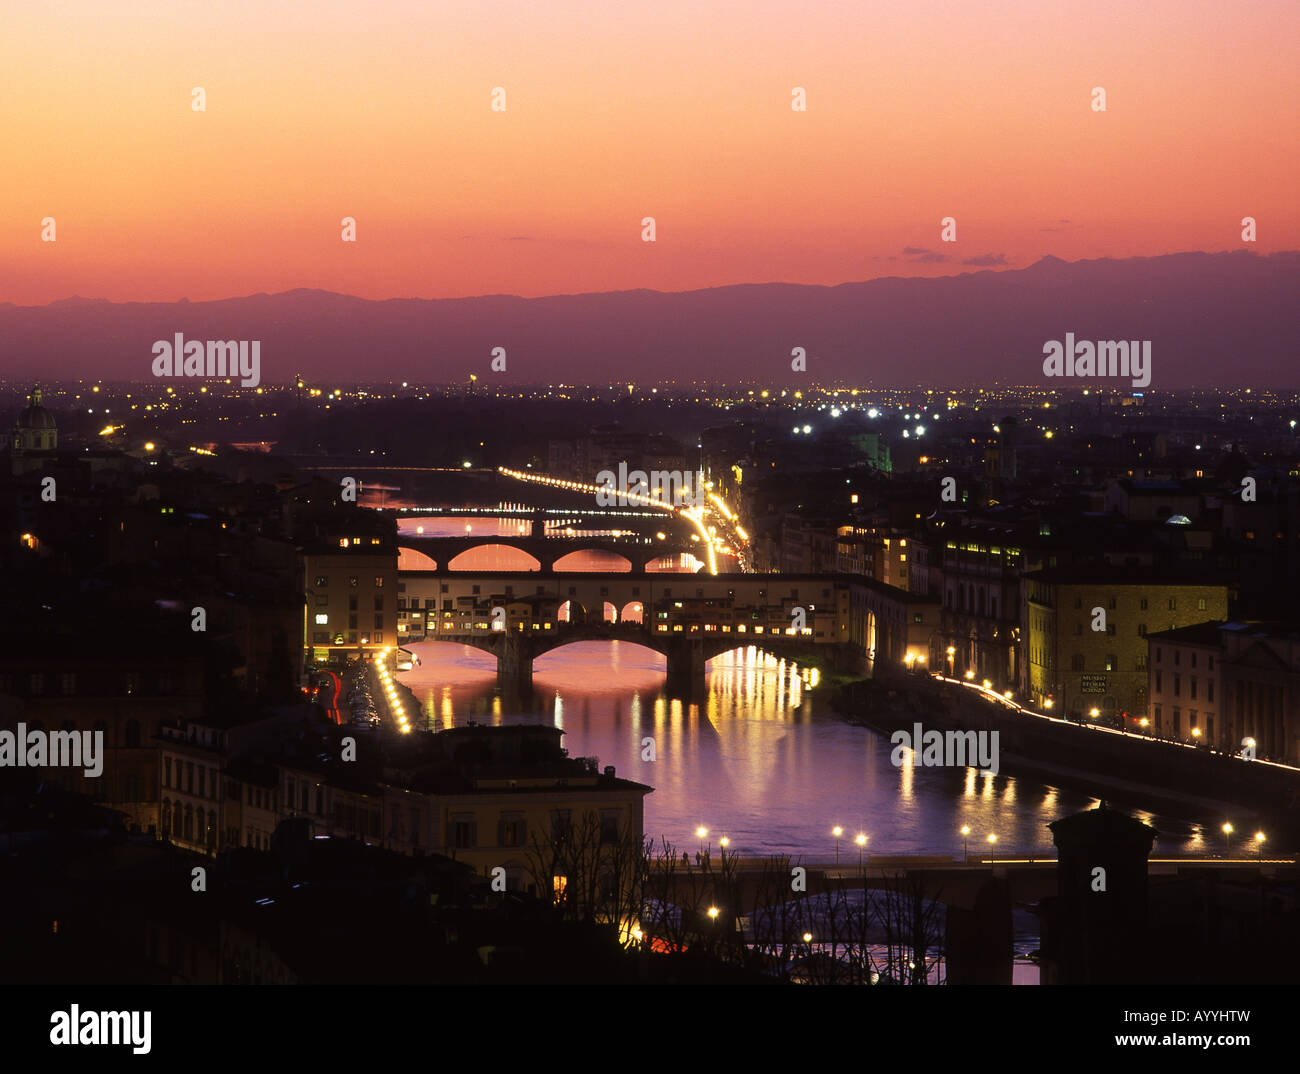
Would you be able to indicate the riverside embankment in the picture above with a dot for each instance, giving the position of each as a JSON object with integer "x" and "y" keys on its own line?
{"x": 1126, "y": 768}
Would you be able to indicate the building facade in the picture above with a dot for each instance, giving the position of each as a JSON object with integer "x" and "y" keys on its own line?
{"x": 1085, "y": 635}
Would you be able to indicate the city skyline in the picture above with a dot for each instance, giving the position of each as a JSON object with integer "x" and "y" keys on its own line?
{"x": 743, "y": 494}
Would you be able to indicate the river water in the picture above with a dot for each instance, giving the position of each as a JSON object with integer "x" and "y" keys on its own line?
{"x": 761, "y": 759}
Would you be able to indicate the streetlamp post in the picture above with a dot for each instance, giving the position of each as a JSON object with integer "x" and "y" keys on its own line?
{"x": 837, "y": 831}
{"x": 861, "y": 840}
{"x": 1259, "y": 845}
{"x": 1227, "y": 831}
{"x": 965, "y": 853}
{"x": 992, "y": 840}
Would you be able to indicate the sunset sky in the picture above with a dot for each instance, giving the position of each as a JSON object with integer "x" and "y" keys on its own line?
{"x": 381, "y": 111}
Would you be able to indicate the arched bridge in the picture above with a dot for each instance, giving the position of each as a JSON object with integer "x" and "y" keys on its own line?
{"x": 639, "y": 551}
{"x": 689, "y": 618}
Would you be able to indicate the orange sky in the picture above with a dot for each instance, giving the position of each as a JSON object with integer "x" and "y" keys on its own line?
{"x": 681, "y": 111}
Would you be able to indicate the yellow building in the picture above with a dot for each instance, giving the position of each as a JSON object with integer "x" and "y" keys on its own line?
{"x": 350, "y": 582}
{"x": 1084, "y": 632}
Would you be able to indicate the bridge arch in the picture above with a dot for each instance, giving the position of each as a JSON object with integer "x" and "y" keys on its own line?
{"x": 594, "y": 559}
{"x": 571, "y": 611}
{"x": 674, "y": 563}
{"x": 412, "y": 559}
{"x": 609, "y": 613}
{"x": 494, "y": 556}
{"x": 632, "y": 612}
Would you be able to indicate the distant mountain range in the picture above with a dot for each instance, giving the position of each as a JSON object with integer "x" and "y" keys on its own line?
{"x": 1215, "y": 320}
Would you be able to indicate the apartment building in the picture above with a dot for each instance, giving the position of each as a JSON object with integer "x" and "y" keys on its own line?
{"x": 1084, "y": 632}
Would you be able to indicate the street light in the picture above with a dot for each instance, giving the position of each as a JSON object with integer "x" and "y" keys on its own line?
{"x": 965, "y": 833}
{"x": 992, "y": 839}
{"x": 1260, "y": 837}
{"x": 1227, "y": 831}
{"x": 837, "y": 831}
{"x": 952, "y": 655}
{"x": 713, "y": 913}
{"x": 861, "y": 840}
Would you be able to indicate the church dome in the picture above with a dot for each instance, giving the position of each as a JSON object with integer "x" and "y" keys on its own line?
{"x": 35, "y": 429}
{"x": 36, "y": 417}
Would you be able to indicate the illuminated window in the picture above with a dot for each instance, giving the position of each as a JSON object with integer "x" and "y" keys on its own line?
{"x": 322, "y": 619}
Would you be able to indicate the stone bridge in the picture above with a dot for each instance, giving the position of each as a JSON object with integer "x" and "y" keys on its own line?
{"x": 690, "y": 618}
{"x": 847, "y": 622}
{"x": 638, "y": 550}
{"x": 686, "y": 653}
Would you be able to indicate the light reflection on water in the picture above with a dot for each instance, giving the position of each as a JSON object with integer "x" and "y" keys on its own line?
{"x": 760, "y": 759}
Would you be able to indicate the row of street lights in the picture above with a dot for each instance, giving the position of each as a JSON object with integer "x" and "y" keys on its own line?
{"x": 1259, "y": 840}
{"x": 394, "y": 700}
{"x": 861, "y": 840}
